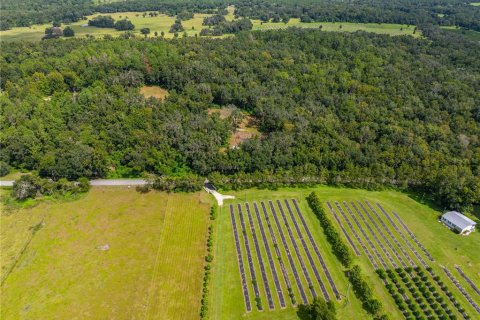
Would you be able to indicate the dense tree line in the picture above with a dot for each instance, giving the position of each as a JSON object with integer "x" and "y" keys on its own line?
{"x": 32, "y": 186}
{"x": 441, "y": 12}
{"x": 364, "y": 293}
{"x": 339, "y": 248}
{"x": 319, "y": 309}
{"x": 359, "y": 109}
{"x": 232, "y": 27}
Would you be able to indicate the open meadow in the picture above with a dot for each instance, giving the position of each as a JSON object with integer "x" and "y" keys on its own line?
{"x": 113, "y": 254}
{"x": 162, "y": 23}
{"x": 447, "y": 249}
{"x": 381, "y": 28}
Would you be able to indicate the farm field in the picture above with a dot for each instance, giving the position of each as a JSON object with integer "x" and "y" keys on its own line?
{"x": 162, "y": 23}
{"x": 381, "y": 28}
{"x": 115, "y": 253}
{"x": 227, "y": 296}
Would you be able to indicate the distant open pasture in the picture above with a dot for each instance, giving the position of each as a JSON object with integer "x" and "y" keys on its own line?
{"x": 114, "y": 254}
{"x": 381, "y": 28}
{"x": 469, "y": 34}
{"x": 162, "y": 23}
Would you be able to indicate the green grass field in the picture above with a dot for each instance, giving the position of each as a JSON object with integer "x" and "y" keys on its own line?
{"x": 153, "y": 267}
{"x": 152, "y": 270}
{"x": 162, "y": 23}
{"x": 381, "y": 28}
{"x": 227, "y": 299}
{"x": 469, "y": 34}
{"x": 476, "y": 4}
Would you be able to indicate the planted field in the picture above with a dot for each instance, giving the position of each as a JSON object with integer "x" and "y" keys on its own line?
{"x": 428, "y": 298}
{"x": 377, "y": 224}
{"x": 114, "y": 254}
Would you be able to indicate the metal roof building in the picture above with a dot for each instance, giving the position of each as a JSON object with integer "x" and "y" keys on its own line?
{"x": 457, "y": 221}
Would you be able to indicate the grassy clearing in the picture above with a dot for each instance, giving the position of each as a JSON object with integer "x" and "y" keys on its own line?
{"x": 13, "y": 176}
{"x": 382, "y": 28}
{"x": 227, "y": 300}
{"x": 159, "y": 23}
{"x": 247, "y": 130}
{"x": 469, "y": 34}
{"x": 151, "y": 270}
{"x": 475, "y": 4}
{"x": 154, "y": 91}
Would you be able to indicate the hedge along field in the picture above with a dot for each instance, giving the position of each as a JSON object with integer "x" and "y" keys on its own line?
{"x": 226, "y": 298}
{"x": 151, "y": 269}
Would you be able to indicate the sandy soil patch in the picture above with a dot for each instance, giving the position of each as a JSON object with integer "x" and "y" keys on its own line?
{"x": 154, "y": 91}
{"x": 246, "y": 130}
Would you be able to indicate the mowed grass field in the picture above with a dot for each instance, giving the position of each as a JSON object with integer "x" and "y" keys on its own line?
{"x": 113, "y": 254}
{"x": 446, "y": 247}
{"x": 162, "y": 23}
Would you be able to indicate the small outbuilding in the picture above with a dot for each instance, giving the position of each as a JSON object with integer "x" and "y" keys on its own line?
{"x": 457, "y": 221}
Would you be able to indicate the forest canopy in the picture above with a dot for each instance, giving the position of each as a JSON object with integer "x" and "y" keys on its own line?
{"x": 441, "y": 12}
{"x": 356, "y": 109}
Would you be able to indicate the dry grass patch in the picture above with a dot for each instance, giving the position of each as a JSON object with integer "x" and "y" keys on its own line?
{"x": 154, "y": 91}
{"x": 224, "y": 113}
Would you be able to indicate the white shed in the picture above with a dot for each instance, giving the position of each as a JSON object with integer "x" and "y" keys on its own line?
{"x": 457, "y": 221}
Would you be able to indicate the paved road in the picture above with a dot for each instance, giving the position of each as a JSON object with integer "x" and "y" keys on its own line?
{"x": 98, "y": 182}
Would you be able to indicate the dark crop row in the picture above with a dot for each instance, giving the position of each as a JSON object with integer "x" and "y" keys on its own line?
{"x": 317, "y": 252}
{"x": 413, "y": 237}
{"x": 307, "y": 251}
{"x": 278, "y": 287}
{"x": 461, "y": 289}
{"x": 243, "y": 277}
{"x": 260, "y": 259}
{"x": 347, "y": 236}
{"x": 289, "y": 255}
{"x": 294, "y": 256}
{"x": 365, "y": 249}
{"x": 250, "y": 260}
{"x": 409, "y": 245}
{"x": 470, "y": 282}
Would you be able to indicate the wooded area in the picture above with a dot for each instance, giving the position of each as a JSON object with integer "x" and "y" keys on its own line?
{"x": 358, "y": 109}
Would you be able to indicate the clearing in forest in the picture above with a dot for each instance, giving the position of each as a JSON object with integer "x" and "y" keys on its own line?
{"x": 154, "y": 91}
{"x": 246, "y": 130}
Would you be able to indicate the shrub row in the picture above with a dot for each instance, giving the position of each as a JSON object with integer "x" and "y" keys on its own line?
{"x": 431, "y": 295}
{"x": 208, "y": 267}
{"x": 339, "y": 248}
{"x": 32, "y": 186}
{"x": 363, "y": 291}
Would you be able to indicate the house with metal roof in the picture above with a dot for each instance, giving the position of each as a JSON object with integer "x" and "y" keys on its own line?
{"x": 457, "y": 221}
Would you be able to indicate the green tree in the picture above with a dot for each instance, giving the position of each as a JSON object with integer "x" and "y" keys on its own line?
{"x": 68, "y": 32}
{"x": 318, "y": 310}
{"x": 124, "y": 25}
{"x": 145, "y": 31}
